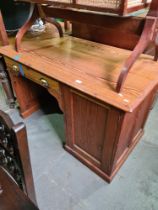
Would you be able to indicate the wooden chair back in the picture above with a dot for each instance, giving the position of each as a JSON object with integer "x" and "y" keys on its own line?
{"x": 11, "y": 197}
{"x": 14, "y": 154}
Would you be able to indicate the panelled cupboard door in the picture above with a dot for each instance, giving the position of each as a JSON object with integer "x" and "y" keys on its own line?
{"x": 92, "y": 129}
{"x": 90, "y": 120}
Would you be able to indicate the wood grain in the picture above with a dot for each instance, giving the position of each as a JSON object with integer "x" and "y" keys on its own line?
{"x": 69, "y": 60}
{"x": 102, "y": 127}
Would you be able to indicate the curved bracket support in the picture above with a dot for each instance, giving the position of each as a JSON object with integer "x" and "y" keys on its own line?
{"x": 145, "y": 39}
{"x": 149, "y": 34}
{"x": 36, "y": 13}
{"x": 55, "y": 23}
{"x": 58, "y": 98}
{"x": 33, "y": 17}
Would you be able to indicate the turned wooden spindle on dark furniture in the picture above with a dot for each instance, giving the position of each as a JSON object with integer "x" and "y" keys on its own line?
{"x": 14, "y": 154}
{"x": 3, "y": 74}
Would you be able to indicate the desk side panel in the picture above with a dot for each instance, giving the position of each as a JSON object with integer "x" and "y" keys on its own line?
{"x": 132, "y": 129}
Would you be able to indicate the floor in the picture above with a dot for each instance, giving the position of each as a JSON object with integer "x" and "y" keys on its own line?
{"x": 63, "y": 183}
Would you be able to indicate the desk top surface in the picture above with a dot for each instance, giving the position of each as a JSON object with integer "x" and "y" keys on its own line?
{"x": 89, "y": 67}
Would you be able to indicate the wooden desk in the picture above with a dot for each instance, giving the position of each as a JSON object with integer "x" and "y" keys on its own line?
{"x": 102, "y": 126}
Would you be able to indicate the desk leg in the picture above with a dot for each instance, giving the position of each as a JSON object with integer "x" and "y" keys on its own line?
{"x": 27, "y": 95}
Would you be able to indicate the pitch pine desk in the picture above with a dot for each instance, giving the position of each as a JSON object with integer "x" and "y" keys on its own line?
{"x": 102, "y": 126}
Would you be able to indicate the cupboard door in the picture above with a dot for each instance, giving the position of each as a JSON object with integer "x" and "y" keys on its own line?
{"x": 90, "y": 121}
{"x": 86, "y": 122}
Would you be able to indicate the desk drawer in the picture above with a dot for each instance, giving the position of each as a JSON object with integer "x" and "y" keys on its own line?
{"x": 24, "y": 71}
{"x": 21, "y": 70}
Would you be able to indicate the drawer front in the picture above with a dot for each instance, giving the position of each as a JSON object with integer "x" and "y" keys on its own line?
{"x": 24, "y": 71}
{"x": 18, "y": 69}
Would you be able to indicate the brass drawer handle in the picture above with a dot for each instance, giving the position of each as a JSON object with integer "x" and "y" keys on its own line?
{"x": 15, "y": 68}
{"x": 44, "y": 83}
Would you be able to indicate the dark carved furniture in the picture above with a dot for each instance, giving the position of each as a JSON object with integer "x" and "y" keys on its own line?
{"x": 14, "y": 154}
{"x": 49, "y": 8}
{"x": 11, "y": 197}
{"x": 6, "y": 84}
{"x": 3, "y": 74}
{"x": 102, "y": 126}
